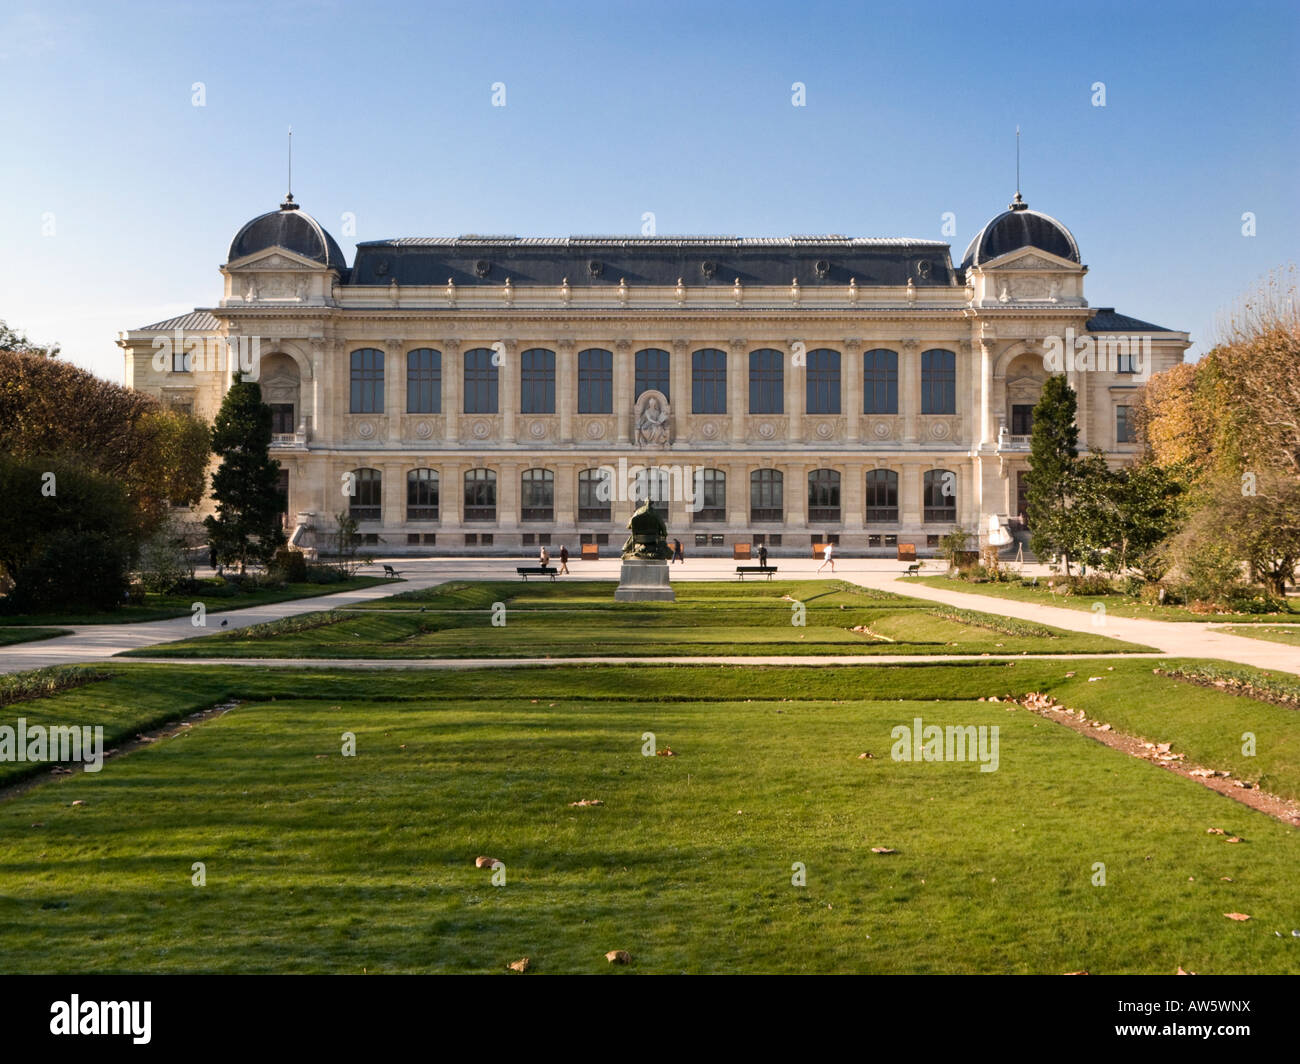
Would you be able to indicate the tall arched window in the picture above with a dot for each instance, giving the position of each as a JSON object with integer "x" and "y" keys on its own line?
{"x": 882, "y": 496}
{"x": 824, "y": 495}
{"x": 480, "y": 381}
{"x": 766, "y": 495}
{"x": 709, "y": 381}
{"x": 766, "y": 381}
{"x": 712, "y": 500}
{"x": 422, "y": 495}
{"x": 367, "y": 381}
{"x": 595, "y": 381}
{"x": 595, "y": 492}
{"x": 480, "y": 495}
{"x": 424, "y": 381}
{"x": 537, "y": 495}
{"x": 652, "y": 372}
{"x": 823, "y": 381}
{"x": 366, "y": 498}
{"x": 537, "y": 381}
{"x": 940, "y": 495}
{"x": 880, "y": 381}
{"x": 938, "y": 382}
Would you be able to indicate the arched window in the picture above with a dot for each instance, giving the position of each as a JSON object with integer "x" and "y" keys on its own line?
{"x": 480, "y": 381}
{"x": 537, "y": 381}
{"x": 823, "y": 381}
{"x": 367, "y": 381}
{"x": 880, "y": 381}
{"x": 595, "y": 381}
{"x": 366, "y": 496}
{"x": 824, "y": 495}
{"x": 711, "y": 486}
{"x": 766, "y": 495}
{"x": 709, "y": 381}
{"x": 652, "y": 372}
{"x": 481, "y": 494}
{"x": 424, "y": 381}
{"x": 940, "y": 495}
{"x": 422, "y": 495}
{"x": 595, "y": 491}
{"x": 766, "y": 381}
{"x": 882, "y": 496}
{"x": 537, "y": 495}
{"x": 938, "y": 382}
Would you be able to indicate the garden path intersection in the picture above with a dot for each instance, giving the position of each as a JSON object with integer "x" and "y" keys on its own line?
{"x": 1183, "y": 639}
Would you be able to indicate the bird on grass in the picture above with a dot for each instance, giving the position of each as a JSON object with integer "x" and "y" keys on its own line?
{"x": 224, "y": 623}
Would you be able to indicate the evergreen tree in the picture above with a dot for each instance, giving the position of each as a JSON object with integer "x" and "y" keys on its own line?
{"x": 1053, "y": 451}
{"x": 246, "y": 485}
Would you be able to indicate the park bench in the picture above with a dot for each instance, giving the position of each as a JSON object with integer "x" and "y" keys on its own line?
{"x": 762, "y": 570}
{"x": 536, "y": 570}
{"x": 590, "y": 552}
{"x": 391, "y": 573}
{"x": 914, "y": 569}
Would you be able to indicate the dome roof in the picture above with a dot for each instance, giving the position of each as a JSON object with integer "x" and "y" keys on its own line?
{"x": 1019, "y": 227}
{"x": 292, "y": 229}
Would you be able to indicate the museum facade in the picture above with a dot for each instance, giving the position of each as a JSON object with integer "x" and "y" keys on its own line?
{"x": 487, "y": 394}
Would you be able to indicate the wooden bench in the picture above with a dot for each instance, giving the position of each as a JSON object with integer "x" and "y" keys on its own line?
{"x": 590, "y": 552}
{"x": 742, "y": 551}
{"x": 536, "y": 570}
{"x": 391, "y": 573}
{"x": 762, "y": 570}
{"x": 914, "y": 569}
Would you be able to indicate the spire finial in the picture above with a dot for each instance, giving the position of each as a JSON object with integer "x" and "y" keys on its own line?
{"x": 1018, "y": 204}
{"x": 288, "y": 204}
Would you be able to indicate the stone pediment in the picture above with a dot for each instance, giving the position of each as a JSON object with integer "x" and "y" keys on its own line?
{"x": 1032, "y": 259}
{"x": 1024, "y": 389}
{"x": 273, "y": 259}
{"x": 1031, "y": 262}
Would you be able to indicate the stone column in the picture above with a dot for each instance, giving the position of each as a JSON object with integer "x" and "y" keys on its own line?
{"x": 566, "y": 388}
{"x": 909, "y": 389}
{"x": 394, "y": 388}
{"x": 508, "y": 390}
{"x": 393, "y": 507}
{"x": 452, "y": 377}
{"x": 852, "y": 503}
{"x": 624, "y": 380}
{"x": 987, "y": 429}
{"x": 680, "y": 384}
{"x": 737, "y": 379}
{"x": 566, "y": 496}
{"x": 738, "y": 496}
{"x": 451, "y": 491}
{"x": 795, "y": 487}
{"x": 909, "y": 494}
{"x": 507, "y": 495}
{"x": 795, "y": 396}
{"x": 852, "y": 391}
{"x": 968, "y": 425}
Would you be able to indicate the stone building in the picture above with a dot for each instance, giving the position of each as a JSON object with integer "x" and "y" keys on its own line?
{"x": 494, "y": 393}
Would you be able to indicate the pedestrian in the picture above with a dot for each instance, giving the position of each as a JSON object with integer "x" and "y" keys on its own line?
{"x": 564, "y": 559}
{"x": 544, "y": 558}
{"x": 678, "y": 556}
{"x": 828, "y": 558}
{"x": 762, "y": 555}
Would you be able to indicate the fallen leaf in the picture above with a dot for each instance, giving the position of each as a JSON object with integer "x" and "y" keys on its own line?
{"x": 882, "y": 849}
{"x": 667, "y": 751}
{"x": 868, "y": 756}
{"x": 521, "y": 965}
{"x": 79, "y": 801}
{"x": 484, "y": 862}
{"x": 1181, "y": 972}
{"x": 1215, "y": 831}
{"x": 1084, "y": 972}
{"x": 1232, "y": 838}
{"x": 1236, "y": 916}
{"x": 618, "y": 956}
{"x": 588, "y": 801}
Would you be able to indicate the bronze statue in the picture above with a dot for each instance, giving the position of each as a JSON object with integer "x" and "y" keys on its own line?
{"x": 649, "y": 538}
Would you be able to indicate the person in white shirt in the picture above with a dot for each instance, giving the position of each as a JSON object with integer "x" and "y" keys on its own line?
{"x": 828, "y": 558}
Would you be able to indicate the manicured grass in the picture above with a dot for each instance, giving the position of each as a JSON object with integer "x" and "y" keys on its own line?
{"x": 1290, "y": 636}
{"x": 514, "y": 620}
{"x": 324, "y": 863}
{"x": 217, "y": 597}
{"x": 10, "y": 636}
{"x": 1116, "y": 605}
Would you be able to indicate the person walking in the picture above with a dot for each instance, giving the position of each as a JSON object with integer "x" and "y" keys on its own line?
{"x": 564, "y": 559}
{"x": 762, "y": 555}
{"x": 678, "y": 556}
{"x": 828, "y": 558}
{"x": 544, "y": 558}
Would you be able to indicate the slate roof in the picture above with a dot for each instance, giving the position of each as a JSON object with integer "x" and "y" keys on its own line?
{"x": 194, "y": 321}
{"x": 1018, "y": 228}
{"x": 292, "y": 228}
{"x": 1107, "y": 320}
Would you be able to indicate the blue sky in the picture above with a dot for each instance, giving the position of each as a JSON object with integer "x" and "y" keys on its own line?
{"x": 614, "y": 109}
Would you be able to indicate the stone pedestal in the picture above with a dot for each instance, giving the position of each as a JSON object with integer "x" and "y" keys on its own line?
{"x": 644, "y": 581}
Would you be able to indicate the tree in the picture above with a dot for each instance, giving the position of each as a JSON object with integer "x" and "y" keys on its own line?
{"x": 1053, "y": 449}
{"x": 246, "y": 526}
{"x": 12, "y": 340}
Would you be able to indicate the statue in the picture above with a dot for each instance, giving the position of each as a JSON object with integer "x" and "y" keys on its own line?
{"x": 652, "y": 420}
{"x": 649, "y": 538}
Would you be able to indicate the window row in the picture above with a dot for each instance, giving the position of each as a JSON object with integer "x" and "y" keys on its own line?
{"x": 822, "y": 381}
{"x": 707, "y": 498}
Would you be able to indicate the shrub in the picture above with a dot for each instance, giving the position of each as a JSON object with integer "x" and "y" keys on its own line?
{"x": 73, "y": 569}
{"x": 324, "y": 574}
{"x": 290, "y": 566}
{"x": 1090, "y": 585}
{"x": 40, "y": 683}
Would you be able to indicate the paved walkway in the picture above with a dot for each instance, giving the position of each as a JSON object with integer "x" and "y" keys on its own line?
{"x": 90, "y": 643}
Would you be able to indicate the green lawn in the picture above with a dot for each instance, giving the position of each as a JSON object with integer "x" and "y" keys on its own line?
{"x": 10, "y": 636}
{"x": 1290, "y": 636}
{"x": 217, "y": 597}
{"x": 1116, "y": 605}
{"x": 514, "y": 619}
{"x": 317, "y": 862}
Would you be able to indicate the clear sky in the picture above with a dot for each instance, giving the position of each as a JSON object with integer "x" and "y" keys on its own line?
{"x": 119, "y": 197}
